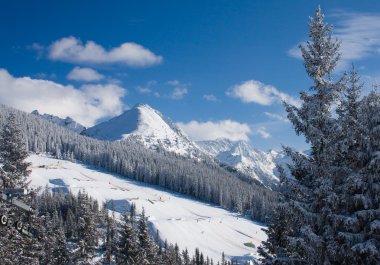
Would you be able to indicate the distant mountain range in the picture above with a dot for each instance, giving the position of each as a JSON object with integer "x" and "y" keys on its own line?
{"x": 246, "y": 159}
{"x": 144, "y": 124}
{"x": 68, "y": 122}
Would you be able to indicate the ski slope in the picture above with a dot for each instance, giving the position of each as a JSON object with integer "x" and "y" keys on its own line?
{"x": 179, "y": 218}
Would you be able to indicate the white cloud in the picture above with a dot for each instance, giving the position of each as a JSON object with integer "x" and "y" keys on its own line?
{"x": 45, "y": 76}
{"x": 72, "y": 50}
{"x": 210, "y": 97}
{"x": 84, "y": 74}
{"x": 360, "y": 36}
{"x": 212, "y": 130}
{"x": 253, "y": 91}
{"x": 87, "y": 104}
{"x": 276, "y": 117}
{"x": 144, "y": 90}
{"x": 179, "y": 90}
{"x": 295, "y": 52}
{"x": 173, "y": 82}
{"x": 147, "y": 88}
{"x": 40, "y": 49}
{"x": 262, "y": 131}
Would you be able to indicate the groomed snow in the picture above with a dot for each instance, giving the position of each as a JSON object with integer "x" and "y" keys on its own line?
{"x": 179, "y": 219}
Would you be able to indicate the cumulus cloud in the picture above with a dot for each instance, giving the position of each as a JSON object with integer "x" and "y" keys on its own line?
{"x": 38, "y": 48}
{"x": 276, "y": 117}
{"x": 86, "y": 104}
{"x": 173, "y": 82}
{"x": 72, "y": 50}
{"x": 359, "y": 33}
{"x": 147, "y": 88}
{"x": 179, "y": 90}
{"x": 210, "y": 97}
{"x": 262, "y": 132}
{"x": 144, "y": 90}
{"x": 253, "y": 91}
{"x": 213, "y": 130}
{"x": 84, "y": 74}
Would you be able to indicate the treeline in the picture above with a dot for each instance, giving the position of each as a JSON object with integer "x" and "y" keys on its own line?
{"x": 204, "y": 179}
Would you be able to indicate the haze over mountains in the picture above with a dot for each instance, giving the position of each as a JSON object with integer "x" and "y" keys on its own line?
{"x": 144, "y": 124}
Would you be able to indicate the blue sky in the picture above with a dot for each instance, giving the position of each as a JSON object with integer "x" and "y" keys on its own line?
{"x": 217, "y": 68}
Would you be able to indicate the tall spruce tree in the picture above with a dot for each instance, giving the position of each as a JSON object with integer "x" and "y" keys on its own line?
{"x": 110, "y": 238}
{"x": 13, "y": 168}
{"x": 128, "y": 248}
{"x": 147, "y": 247}
{"x": 14, "y": 171}
{"x": 361, "y": 225}
{"x": 87, "y": 233}
{"x": 309, "y": 193}
{"x": 354, "y": 221}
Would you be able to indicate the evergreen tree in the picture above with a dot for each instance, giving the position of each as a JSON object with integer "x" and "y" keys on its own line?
{"x": 14, "y": 247}
{"x": 87, "y": 233}
{"x": 110, "y": 240}
{"x": 60, "y": 253}
{"x": 359, "y": 225}
{"x": 128, "y": 248}
{"x": 13, "y": 170}
{"x": 185, "y": 257}
{"x": 147, "y": 246}
{"x": 273, "y": 251}
{"x": 310, "y": 195}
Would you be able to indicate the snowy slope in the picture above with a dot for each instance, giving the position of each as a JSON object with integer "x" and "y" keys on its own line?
{"x": 248, "y": 160}
{"x": 147, "y": 125}
{"x": 179, "y": 219}
{"x": 68, "y": 122}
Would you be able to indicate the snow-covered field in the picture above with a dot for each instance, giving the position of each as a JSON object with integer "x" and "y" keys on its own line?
{"x": 188, "y": 222}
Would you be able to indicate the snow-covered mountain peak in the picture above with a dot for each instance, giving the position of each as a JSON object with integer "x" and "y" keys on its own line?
{"x": 250, "y": 161}
{"x": 144, "y": 123}
{"x": 236, "y": 148}
{"x": 67, "y": 122}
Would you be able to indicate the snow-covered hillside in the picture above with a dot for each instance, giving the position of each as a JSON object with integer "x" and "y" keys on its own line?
{"x": 179, "y": 219}
{"x": 145, "y": 124}
{"x": 248, "y": 160}
{"x": 68, "y": 122}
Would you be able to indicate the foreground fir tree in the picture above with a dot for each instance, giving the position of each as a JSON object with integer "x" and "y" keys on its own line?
{"x": 332, "y": 201}
{"x": 87, "y": 233}
{"x": 361, "y": 228}
{"x": 274, "y": 250}
{"x": 306, "y": 208}
{"x": 15, "y": 247}
{"x": 354, "y": 236}
{"x": 13, "y": 168}
{"x": 110, "y": 237}
{"x": 128, "y": 248}
{"x": 148, "y": 249}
